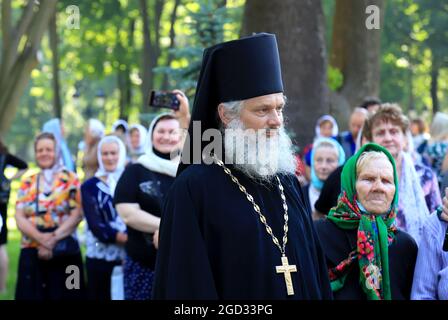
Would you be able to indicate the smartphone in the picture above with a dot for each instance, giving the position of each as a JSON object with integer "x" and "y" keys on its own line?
{"x": 163, "y": 99}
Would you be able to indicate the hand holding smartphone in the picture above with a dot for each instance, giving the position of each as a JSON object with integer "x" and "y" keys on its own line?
{"x": 163, "y": 99}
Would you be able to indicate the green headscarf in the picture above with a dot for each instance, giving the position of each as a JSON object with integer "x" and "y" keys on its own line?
{"x": 375, "y": 233}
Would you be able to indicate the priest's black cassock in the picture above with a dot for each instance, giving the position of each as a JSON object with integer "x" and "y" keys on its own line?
{"x": 212, "y": 242}
{"x": 213, "y": 245}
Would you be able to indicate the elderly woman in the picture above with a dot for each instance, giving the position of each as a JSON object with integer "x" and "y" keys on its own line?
{"x": 56, "y": 127}
{"x": 106, "y": 233}
{"x": 431, "y": 269}
{"x": 418, "y": 189}
{"x": 47, "y": 214}
{"x": 368, "y": 258}
{"x": 327, "y": 154}
{"x": 139, "y": 196}
{"x": 137, "y": 139}
{"x": 93, "y": 133}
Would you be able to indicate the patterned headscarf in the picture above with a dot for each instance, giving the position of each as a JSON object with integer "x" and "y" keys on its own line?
{"x": 375, "y": 233}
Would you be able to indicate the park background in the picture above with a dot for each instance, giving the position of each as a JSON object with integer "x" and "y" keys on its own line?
{"x": 78, "y": 59}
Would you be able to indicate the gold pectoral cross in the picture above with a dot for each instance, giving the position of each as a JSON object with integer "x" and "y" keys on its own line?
{"x": 286, "y": 269}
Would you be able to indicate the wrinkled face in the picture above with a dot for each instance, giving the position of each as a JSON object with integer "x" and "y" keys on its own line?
{"x": 110, "y": 153}
{"x": 375, "y": 186}
{"x": 356, "y": 122}
{"x": 166, "y": 135}
{"x": 389, "y": 136}
{"x": 325, "y": 161}
{"x": 264, "y": 112}
{"x": 326, "y": 129}
{"x": 45, "y": 153}
{"x": 135, "y": 138}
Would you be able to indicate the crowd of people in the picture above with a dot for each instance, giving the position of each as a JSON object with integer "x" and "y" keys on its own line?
{"x": 359, "y": 214}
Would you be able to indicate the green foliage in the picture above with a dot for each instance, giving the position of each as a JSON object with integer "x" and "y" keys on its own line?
{"x": 335, "y": 78}
{"x": 413, "y": 32}
{"x": 208, "y": 24}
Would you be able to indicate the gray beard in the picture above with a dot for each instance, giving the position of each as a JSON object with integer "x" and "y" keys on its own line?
{"x": 257, "y": 156}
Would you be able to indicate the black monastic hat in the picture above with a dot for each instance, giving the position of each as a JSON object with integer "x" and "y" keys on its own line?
{"x": 231, "y": 71}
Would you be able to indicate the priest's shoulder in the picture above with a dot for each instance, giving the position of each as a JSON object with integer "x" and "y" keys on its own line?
{"x": 198, "y": 174}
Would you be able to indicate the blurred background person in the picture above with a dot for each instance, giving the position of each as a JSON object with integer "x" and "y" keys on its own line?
{"x": 93, "y": 133}
{"x": 419, "y": 135}
{"x": 106, "y": 234}
{"x": 140, "y": 193}
{"x": 47, "y": 215}
{"x": 326, "y": 127}
{"x": 55, "y": 126}
{"x": 6, "y": 159}
{"x": 371, "y": 104}
{"x": 438, "y": 144}
{"x": 137, "y": 139}
{"x": 347, "y": 139}
{"x": 327, "y": 154}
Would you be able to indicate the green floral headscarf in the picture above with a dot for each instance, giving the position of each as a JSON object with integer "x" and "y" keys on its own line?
{"x": 375, "y": 233}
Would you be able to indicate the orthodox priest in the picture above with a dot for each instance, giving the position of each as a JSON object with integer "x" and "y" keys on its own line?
{"x": 236, "y": 225}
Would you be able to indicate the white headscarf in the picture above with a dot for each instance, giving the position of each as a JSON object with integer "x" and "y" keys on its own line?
{"x": 96, "y": 128}
{"x": 111, "y": 177}
{"x": 120, "y": 122}
{"x": 151, "y": 161}
{"x": 411, "y": 205}
{"x": 143, "y": 133}
{"x": 326, "y": 117}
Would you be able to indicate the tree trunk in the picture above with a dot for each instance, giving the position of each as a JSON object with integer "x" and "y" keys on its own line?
{"x": 124, "y": 76}
{"x": 147, "y": 76}
{"x": 151, "y": 47}
{"x": 434, "y": 86}
{"x": 356, "y": 53}
{"x": 299, "y": 28}
{"x": 16, "y": 66}
{"x": 165, "y": 82}
{"x": 57, "y": 105}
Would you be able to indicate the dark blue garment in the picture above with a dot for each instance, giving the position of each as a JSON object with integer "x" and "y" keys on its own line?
{"x": 138, "y": 280}
{"x": 348, "y": 143}
{"x": 213, "y": 245}
{"x": 99, "y": 211}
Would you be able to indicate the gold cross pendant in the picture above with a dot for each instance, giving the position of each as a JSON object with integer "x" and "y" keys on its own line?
{"x": 286, "y": 269}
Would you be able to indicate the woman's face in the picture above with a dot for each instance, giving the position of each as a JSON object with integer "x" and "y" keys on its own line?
{"x": 166, "y": 136}
{"x": 45, "y": 153}
{"x": 326, "y": 129}
{"x": 135, "y": 138}
{"x": 390, "y": 136}
{"x": 325, "y": 161}
{"x": 375, "y": 186}
{"x": 110, "y": 153}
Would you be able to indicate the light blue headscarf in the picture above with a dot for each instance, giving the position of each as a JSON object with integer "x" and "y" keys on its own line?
{"x": 54, "y": 126}
{"x": 315, "y": 181}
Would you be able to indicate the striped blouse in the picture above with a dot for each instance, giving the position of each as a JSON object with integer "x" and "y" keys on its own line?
{"x": 431, "y": 269}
